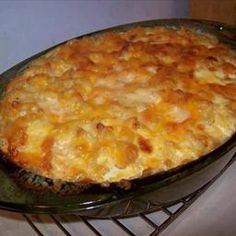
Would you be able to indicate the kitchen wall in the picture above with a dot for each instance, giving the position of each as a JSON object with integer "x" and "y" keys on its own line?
{"x": 27, "y": 27}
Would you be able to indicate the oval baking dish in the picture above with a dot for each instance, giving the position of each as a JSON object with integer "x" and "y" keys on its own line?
{"x": 138, "y": 195}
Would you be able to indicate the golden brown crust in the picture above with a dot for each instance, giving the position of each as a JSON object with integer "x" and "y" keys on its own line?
{"x": 120, "y": 105}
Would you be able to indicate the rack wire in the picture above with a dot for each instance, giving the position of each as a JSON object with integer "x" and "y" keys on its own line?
{"x": 143, "y": 224}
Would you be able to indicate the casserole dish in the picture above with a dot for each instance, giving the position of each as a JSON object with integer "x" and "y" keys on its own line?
{"x": 159, "y": 189}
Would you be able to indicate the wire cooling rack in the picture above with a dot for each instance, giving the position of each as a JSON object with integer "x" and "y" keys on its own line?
{"x": 142, "y": 224}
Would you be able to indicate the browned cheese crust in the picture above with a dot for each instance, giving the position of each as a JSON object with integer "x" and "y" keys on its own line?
{"x": 120, "y": 105}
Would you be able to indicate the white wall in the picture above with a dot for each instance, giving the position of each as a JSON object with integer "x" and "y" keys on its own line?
{"x": 27, "y": 27}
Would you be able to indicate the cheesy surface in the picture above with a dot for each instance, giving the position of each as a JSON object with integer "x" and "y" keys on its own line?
{"x": 120, "y": 105}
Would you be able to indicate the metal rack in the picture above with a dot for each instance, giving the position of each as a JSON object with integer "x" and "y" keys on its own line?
{"x": 142, "y": 224}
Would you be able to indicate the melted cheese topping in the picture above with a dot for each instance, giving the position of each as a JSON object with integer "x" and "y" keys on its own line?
{"x": 120, "y": 105}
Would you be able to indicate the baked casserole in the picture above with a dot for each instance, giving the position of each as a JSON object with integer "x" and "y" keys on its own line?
{"x": 120, "y": 105}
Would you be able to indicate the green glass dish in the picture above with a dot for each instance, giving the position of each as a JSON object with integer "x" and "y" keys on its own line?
{"x": 147, "y": 194}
